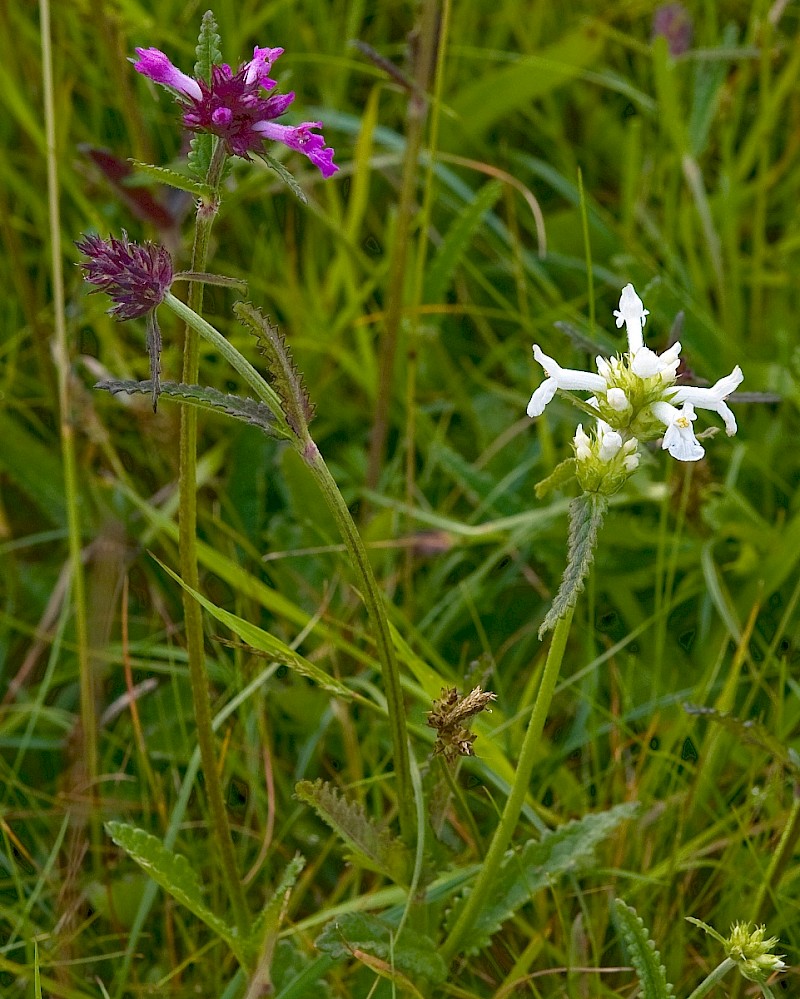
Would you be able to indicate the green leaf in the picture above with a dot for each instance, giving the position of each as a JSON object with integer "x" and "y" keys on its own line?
{"x": 286, "y": 378}
{"x": 563, "y": 472}
{"x": 33, "y": 467}
{"x": 240, "y": 408}
{"x": 642, "y": 952}
{"x": 372, "y": 847}
{"x": 263, "y": 641}
{"x": 174, "y": 179}
{"x": 277, "y": 167}
{"x": 498, "y": 93}
{"x": 201, "y": 152}
{"x": 209, "y": 47}
{"x": 749, "y": 732}
{"x": 269, "y": 917}
{"x": 174, "y": 874}
{"x": 456, "y": 241}
{"x": 412, "y": 954}
{"x": 569, "y": 848}
{"x": 586, "y": 514}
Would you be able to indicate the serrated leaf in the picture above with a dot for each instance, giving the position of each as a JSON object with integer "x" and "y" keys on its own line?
{"x": 372, "y": 847}
{"x": 277, "y": 167}
{"x": 456, "y": 241}
{"x": 238, "y": 407}
{"x": 269, "y": 917}
{"x": 563, "y": 472}
{"x": 209, "y": 47}
{"x": 201, "y": 152}
{"x": 285, "y": 376}
{"x": 174, "y": 179}
{"x": 174, "y": 873}
{"x": 263, "y": 641}
{"x": 586, "y": 514}
{"x": 569, "y": 848}
{"x": 750, "y": 732}
{"x": 642, "y": 952}
{"x": 411, "y": 954}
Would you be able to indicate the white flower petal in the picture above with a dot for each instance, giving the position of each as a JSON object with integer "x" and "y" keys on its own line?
{"x": 568, "y": 378}
{"x": 679, "y": 438}
{"x": 541, "y": 397}
{"x": 713, "y": 398}
{"x": 582, "y": 444}
{"x": 633, "y": 314}
{"x": 617, "y": 399}
{"x": 646, "y": 363}
{"x": 610, "y": 444}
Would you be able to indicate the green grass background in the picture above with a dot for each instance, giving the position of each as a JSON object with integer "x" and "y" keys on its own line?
{"x": 689, "y": 169}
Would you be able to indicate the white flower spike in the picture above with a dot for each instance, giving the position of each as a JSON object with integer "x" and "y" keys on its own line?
{"x": 635, "y": 397}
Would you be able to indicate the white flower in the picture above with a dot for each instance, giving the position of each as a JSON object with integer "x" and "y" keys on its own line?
{"x": 583, "y": 449}
{"x": 617, "y": 399}
{"x": 633, "y": 314}
{"x": 560, "y": 378}
{"x": 609, "y": 440}
{"x": 679, "y": 438}
{"x": 713, "y": 398}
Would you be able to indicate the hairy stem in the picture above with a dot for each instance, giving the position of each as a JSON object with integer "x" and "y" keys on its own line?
{"x": 519, "y": 790}
{"x": 187, "y": 539}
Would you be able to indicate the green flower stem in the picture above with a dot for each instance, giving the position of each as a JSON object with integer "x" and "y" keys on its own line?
{"x": 373, "y": 599}
{"x": 719, "y": 972}
{"x": 508, "y": 821}
{"x": 187, "y": 541}
{"x": 355, "y": 546}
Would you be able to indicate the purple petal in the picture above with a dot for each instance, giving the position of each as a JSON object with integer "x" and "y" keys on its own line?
{"x": 303, "y": 140}
{"x": 154, "y": 64}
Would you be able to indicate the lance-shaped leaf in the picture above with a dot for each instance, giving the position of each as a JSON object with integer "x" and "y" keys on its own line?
{"x": 585, "y": 519}
{"x": 174, "y": 179}
{"x": 263, "y": 641}
{"x": 264, "y": 934}
{"x": 238, "y": 407}
{"x": 371, "y": 846}
{"x": 363, "y": 936}
{"x": 209, "y": 53}
{"x": 277, "y": 167}
{"x": 173, "y": 872}
{"x": 642, "y": 952}
{"x": 286, "y": 379}
{"x": 569, "y": 848}
{"x": 154, "y": 345}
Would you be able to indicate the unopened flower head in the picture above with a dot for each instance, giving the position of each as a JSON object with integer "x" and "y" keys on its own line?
{"x": 635, "y": 394}
{"x": 603, "y": 460}
{"x": 238, "y": 107}
{"x": 752, "y": 953}
{"x": 136, "y": 277}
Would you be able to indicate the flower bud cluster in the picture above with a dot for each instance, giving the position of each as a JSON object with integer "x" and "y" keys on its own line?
{"x": 635, "y": 398}
{"x": 752, "y": 953}
{"x": 603, "y": 460}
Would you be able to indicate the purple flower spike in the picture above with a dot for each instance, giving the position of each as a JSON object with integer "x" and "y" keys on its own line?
{"x": 135, "y": 277}
{"x": 234, "y": 106}
{"x": 153, "y": 63}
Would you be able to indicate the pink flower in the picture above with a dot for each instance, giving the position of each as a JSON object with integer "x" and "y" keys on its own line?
{"x": 136, "y": 277}
{"x": 234, "y": 106}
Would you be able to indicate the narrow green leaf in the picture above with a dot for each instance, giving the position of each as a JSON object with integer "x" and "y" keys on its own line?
{"x": 749, "y": 732}
{"x": 277, "y": 167}
{"x": 586, "y": 514}
{"x": 174, "y": 179}
{"x": 498, "y": 93}
{"x": 173, "y": 872}
{"x": 240, "y": 408}
{"x": 209, "y": 47}
{"x": 262, "y": 641}
{"x": 457, "y": 240}
{"x": 33, "y": 467}
{"x": 412, "y": 954}
{"x": 372, "y": 847}
{"x": 569, "y": 848}
{"x": 642, "y": 952}
{"x": 563, "y": 472}
{"x": 269, "y": 917}
{"x": 286, "y": 378}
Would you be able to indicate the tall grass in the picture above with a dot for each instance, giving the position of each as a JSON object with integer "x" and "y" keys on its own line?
{"x": 688, "y": 172}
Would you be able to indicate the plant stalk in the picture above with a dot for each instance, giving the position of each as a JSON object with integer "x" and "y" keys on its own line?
{"x": 719, "y": 972}
{"x": 187, "y": 541}
{"x": 516, "y": 799}
{"x": 373, "y": 598}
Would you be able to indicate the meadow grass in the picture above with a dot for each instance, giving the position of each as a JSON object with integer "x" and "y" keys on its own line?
{"x": 564, "y": 153}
